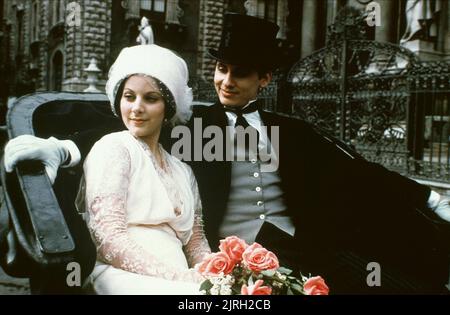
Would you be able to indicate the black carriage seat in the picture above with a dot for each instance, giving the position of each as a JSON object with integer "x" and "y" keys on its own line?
{"x": 47, "y": 238}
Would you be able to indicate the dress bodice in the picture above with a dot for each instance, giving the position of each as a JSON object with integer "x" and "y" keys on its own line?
{"x": 141, "y": 215}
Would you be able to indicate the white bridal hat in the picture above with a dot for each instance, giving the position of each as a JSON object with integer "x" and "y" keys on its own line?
{"x": 159, "y": 63}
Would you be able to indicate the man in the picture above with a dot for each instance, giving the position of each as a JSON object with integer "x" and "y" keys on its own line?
{"x": 322, "y": 210}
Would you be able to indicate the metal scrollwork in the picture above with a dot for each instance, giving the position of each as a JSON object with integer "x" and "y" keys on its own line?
{"x": 377, "y": 97}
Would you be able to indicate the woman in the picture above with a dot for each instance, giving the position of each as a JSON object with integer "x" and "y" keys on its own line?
{"x": 143, "y": 206}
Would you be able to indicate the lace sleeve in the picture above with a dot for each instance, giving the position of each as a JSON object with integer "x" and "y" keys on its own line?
{"x": 107, "y": 170}
{"x": 198, "y": 246}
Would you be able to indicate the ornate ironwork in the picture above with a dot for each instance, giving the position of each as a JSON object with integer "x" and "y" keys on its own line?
{"x": 374, "y": 74}
{"x": 378, "y": 98}
{"x": 430, "y": 120}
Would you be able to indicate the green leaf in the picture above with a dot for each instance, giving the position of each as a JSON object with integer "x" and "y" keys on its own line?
{"x": 206, "y": 285}
{"x": 297, "y": 288}
{"x": 268, "y": 273}
{"x": 284, "y": 270}
{"x": 236, "y": 288}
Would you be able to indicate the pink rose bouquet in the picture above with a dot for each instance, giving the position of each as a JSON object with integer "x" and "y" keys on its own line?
{"x": 239, "y": 268}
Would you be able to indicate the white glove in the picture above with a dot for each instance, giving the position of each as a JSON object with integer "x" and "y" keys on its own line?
{"x": 443, "y": 209}
{"x": 52, "y": 152}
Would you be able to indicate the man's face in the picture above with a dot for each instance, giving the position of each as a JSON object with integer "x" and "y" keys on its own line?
{"x": 238, "y": 85}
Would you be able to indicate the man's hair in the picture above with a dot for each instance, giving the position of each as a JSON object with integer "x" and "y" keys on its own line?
{"x": 262, "y": 70}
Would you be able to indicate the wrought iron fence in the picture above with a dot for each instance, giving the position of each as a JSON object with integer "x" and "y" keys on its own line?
{"x": 378, "y": 98}
{"x": 357, "y": 91}
{"x": 429, "y": 121}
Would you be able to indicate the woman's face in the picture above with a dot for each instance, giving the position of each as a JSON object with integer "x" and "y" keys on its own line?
{"x": 142, "y": 108}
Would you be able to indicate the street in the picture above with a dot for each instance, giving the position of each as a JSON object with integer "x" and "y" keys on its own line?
{"x": 13, "y": 286}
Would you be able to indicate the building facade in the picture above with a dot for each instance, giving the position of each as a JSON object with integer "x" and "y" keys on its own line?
{"x": 47, "y": 45}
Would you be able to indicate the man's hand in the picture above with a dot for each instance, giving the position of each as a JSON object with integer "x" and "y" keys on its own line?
{"x": 443, "y": 209}
{"x": 51, "y": 152}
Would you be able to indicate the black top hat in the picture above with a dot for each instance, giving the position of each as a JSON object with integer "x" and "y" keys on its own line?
{"x": 249, "y": 41}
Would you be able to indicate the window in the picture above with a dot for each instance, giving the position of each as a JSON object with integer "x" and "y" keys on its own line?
{"x": 1, "y": 10}
{"x": 20, "y": 31}
{"x": 267, "y": 9}
{"x": 146, "y": 5}
{"x": 153, "y": 5}
{"x": 57, "y": 11}
{"x": 34, "y": 21}
{"x": 56, "y": 74}
{"x": 55, "y": 5}
{"x": 61, "y": 11}
{"x": 154, "y": 10}
{"x": 273, "y": 10}
{"x": 167, "y": 11}
{"x": 159, "y": 5}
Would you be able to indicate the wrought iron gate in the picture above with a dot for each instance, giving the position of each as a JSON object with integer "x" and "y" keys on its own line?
{"x": 429, "y": 120}
{"x": 378, "y": 98}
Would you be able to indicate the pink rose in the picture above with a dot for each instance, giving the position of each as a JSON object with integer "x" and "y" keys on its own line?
{"x": 257, "y": 258}
{"x": 234, "y": 247}
{"x": 316, "y": 286}
{"x": 214, "y": 264}
{"x": 256, "y": 289}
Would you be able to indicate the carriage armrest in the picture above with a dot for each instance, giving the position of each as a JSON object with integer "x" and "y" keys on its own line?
{"x": 48, "y": 223}
{"x": 44, "y": 233}
{"x": 39, "y": 230}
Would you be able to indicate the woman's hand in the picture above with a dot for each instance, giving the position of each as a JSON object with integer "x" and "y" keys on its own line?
{"x": 52, "y": 152}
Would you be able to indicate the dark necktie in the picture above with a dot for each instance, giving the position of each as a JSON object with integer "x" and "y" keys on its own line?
{"x": 241, "y": 121}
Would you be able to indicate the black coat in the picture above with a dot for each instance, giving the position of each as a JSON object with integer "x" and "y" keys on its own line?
{"x": 347, "y": 211}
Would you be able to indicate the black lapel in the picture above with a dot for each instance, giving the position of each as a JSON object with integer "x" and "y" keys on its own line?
{"x": 220, "y": 120}
{"x": 268, "y": 121}
{"x": 218, "y": 116}
{"x": 215, "y": 176}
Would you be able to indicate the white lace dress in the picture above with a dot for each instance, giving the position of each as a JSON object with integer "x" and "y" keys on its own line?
{"x": 145, "y": 220}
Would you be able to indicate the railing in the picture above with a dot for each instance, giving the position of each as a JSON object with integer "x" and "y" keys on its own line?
{"x": 429, "y": 121}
